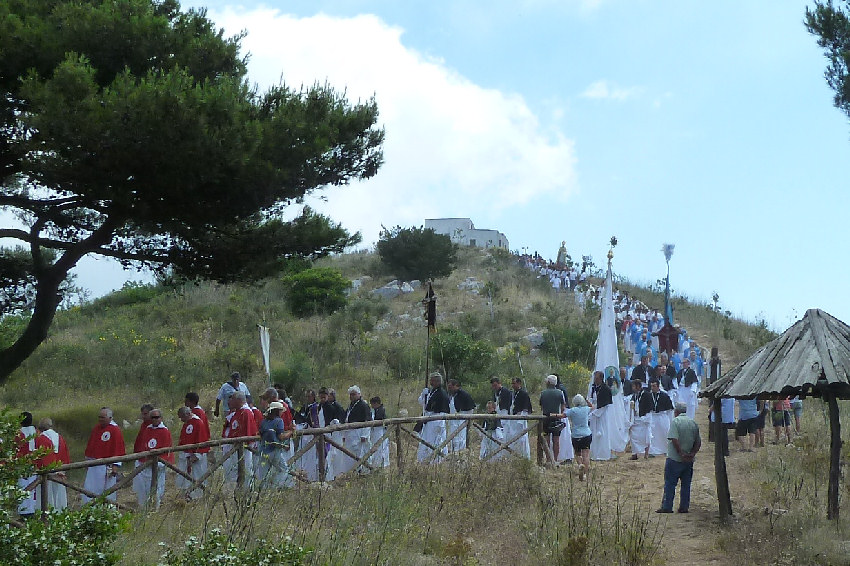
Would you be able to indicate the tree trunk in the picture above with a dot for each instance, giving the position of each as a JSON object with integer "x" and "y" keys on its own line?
{"x": 47, "y": 299}
{"x": 46, "y": 302}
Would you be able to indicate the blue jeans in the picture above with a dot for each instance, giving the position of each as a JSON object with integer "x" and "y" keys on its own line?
{"x": 673, "y": 471}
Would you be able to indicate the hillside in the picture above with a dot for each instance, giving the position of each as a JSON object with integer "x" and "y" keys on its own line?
{"x": 153, "y": 343}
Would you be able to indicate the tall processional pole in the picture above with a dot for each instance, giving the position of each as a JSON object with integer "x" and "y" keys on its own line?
{"x": 430, "y": 304}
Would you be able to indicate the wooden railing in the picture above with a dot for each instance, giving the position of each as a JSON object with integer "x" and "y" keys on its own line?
{"x": 320, "y": 438}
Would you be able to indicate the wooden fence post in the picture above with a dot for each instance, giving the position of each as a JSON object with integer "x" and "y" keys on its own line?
{"x": 540, "y": 455}
{"x": 398, "y": 455}
{"x": 240, "y": 465}
{"x": 321, "y": 458}
{"x": 153, "y": 496}
{"x": 43, "y": 489}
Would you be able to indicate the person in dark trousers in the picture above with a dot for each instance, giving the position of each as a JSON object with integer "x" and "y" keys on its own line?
{"x": 683, "y": 444}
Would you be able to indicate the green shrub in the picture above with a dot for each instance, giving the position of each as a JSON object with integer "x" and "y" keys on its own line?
{"x": 219, "y": 549}
{"x": 417, "y": 253}
{"x": 318, "y": 290}
{"x": 131, "y": 293}
{"x": 69, "y": 538}
{"x": 459, "y": 354}
{"x": 570, "y": 344}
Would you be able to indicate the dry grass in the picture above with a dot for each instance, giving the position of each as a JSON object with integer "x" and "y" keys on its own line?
{"x": 464, "y": 513}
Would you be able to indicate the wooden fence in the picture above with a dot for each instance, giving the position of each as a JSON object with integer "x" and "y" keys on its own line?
{"x": 398, "y": 428}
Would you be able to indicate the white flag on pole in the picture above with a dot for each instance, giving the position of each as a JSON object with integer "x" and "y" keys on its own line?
{"x": 264, "y": 344}
{"x": 606, "y": 344}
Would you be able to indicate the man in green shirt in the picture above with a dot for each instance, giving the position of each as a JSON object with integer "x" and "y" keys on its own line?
{"x": 683, "y": 443}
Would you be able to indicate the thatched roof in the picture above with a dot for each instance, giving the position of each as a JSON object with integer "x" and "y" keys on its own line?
{"x": 816, "y": 347}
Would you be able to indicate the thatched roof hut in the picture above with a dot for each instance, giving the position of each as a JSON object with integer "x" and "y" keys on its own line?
{"x": 810, "y": 359}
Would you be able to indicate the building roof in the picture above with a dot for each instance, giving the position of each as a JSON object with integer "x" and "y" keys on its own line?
{"x": 817, "y": 347}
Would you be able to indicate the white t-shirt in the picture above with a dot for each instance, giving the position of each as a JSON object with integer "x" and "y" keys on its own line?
{"x": 227, "y": 390}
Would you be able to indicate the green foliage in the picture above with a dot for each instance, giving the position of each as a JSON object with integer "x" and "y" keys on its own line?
{"x": 417, "y": 253}
{"x": 13, "y": 467}
{"x": 106, "y": 150}
{"x": 460, "y": 355}
{"x": 570, "y": 344}
{"x": 69, "y": 538}
{"x": 297, "y": 372}
{"x": 217, "y": 548}
{"x": 831, "y": 25}
{"x": 319, "y": 290}
{"x": 131, "y": 293}
{"x": 11, "y": 327}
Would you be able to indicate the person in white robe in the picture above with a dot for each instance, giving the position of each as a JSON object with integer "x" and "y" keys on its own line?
{"x": 661, "y": 417}
{"x": 688, "y": 388}
{"x": 600, "y": 396}
{"x": 460, "y": 402}
{"x": 520, "y": 405}
{"x": 640, "y": 431}
{"x": 381, "y": 457}
{"x": 194, "y": 462}
{"x": 356, "y": 440}
{"x": 27, "y": 437}
{"x": 434, "y": 401}
{"x": 310, "y": 416}
{"x": 57, "y": 494}
{"x": 494, "y": 428}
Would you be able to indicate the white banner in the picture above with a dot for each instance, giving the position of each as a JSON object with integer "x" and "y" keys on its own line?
{"x": 264, "y": 344}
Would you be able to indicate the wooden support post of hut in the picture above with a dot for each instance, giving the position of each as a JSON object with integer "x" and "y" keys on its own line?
{"x": 834, "y": 456}
{"x": 810, "y": 359}
{"x": 721, "y": 478}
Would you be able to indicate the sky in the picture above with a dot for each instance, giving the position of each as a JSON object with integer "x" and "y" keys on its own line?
{"x": 707, "y": 125}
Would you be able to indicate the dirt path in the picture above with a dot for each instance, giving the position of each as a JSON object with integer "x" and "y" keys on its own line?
{"x": 687, "y": 538}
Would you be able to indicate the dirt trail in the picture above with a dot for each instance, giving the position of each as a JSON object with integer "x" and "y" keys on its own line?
{"x": 690, "y": 538}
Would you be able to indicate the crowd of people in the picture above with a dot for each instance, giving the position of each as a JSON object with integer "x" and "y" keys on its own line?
{"x": 649, "y": 406}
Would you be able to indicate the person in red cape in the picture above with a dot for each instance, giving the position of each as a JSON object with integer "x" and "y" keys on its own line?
{"x": 193, "y": 462}
{"x": 154, "y": 437}
{"x": 239, "y": 422}
{"x": 57, "y": 495}
{"x": 105, "y": 441}
{"x": 191, "y": 401}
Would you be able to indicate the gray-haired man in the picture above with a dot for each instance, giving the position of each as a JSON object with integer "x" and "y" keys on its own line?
{"x": 683, "y": 444}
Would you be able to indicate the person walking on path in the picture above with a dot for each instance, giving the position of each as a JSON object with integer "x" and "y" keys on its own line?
{"x": 683, "y": 444}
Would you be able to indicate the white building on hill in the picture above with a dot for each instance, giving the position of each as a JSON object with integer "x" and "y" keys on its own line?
{"x": 462, "y": 231}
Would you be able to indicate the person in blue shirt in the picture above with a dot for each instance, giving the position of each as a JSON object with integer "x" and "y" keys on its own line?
{"x": 579, "y": 415}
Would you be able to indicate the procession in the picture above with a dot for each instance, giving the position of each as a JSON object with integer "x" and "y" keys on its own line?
{"x": 626, "y": 412}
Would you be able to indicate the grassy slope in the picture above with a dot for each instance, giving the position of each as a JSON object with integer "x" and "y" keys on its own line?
{"x": 141, "y": 345}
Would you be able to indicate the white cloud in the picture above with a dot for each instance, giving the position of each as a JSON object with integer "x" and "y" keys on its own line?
{"x": 601, "y": 90}
{"x": 453, "y": 148}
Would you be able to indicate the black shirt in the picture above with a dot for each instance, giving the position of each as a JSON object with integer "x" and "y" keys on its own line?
{"x": 463, "y": 401}
{"x": 522, "y": 402}
{"x": 358, "y": 412}
{"x": 438, "y": 401}
{"x": 603, "y": 395}
{"x": 503, "y": 398}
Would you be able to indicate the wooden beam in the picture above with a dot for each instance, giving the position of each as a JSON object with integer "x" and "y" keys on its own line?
{"x": 89, "y": 494}
{"x": 502, "y": 445}
{"x": 367, "y": 455}
{"x": 445, "y": 442}
{"x": 418, "y": 438}
{"x": 832, "y": 509}
{"x": 347, "y": 452}
{"x": 721, "y": 478}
